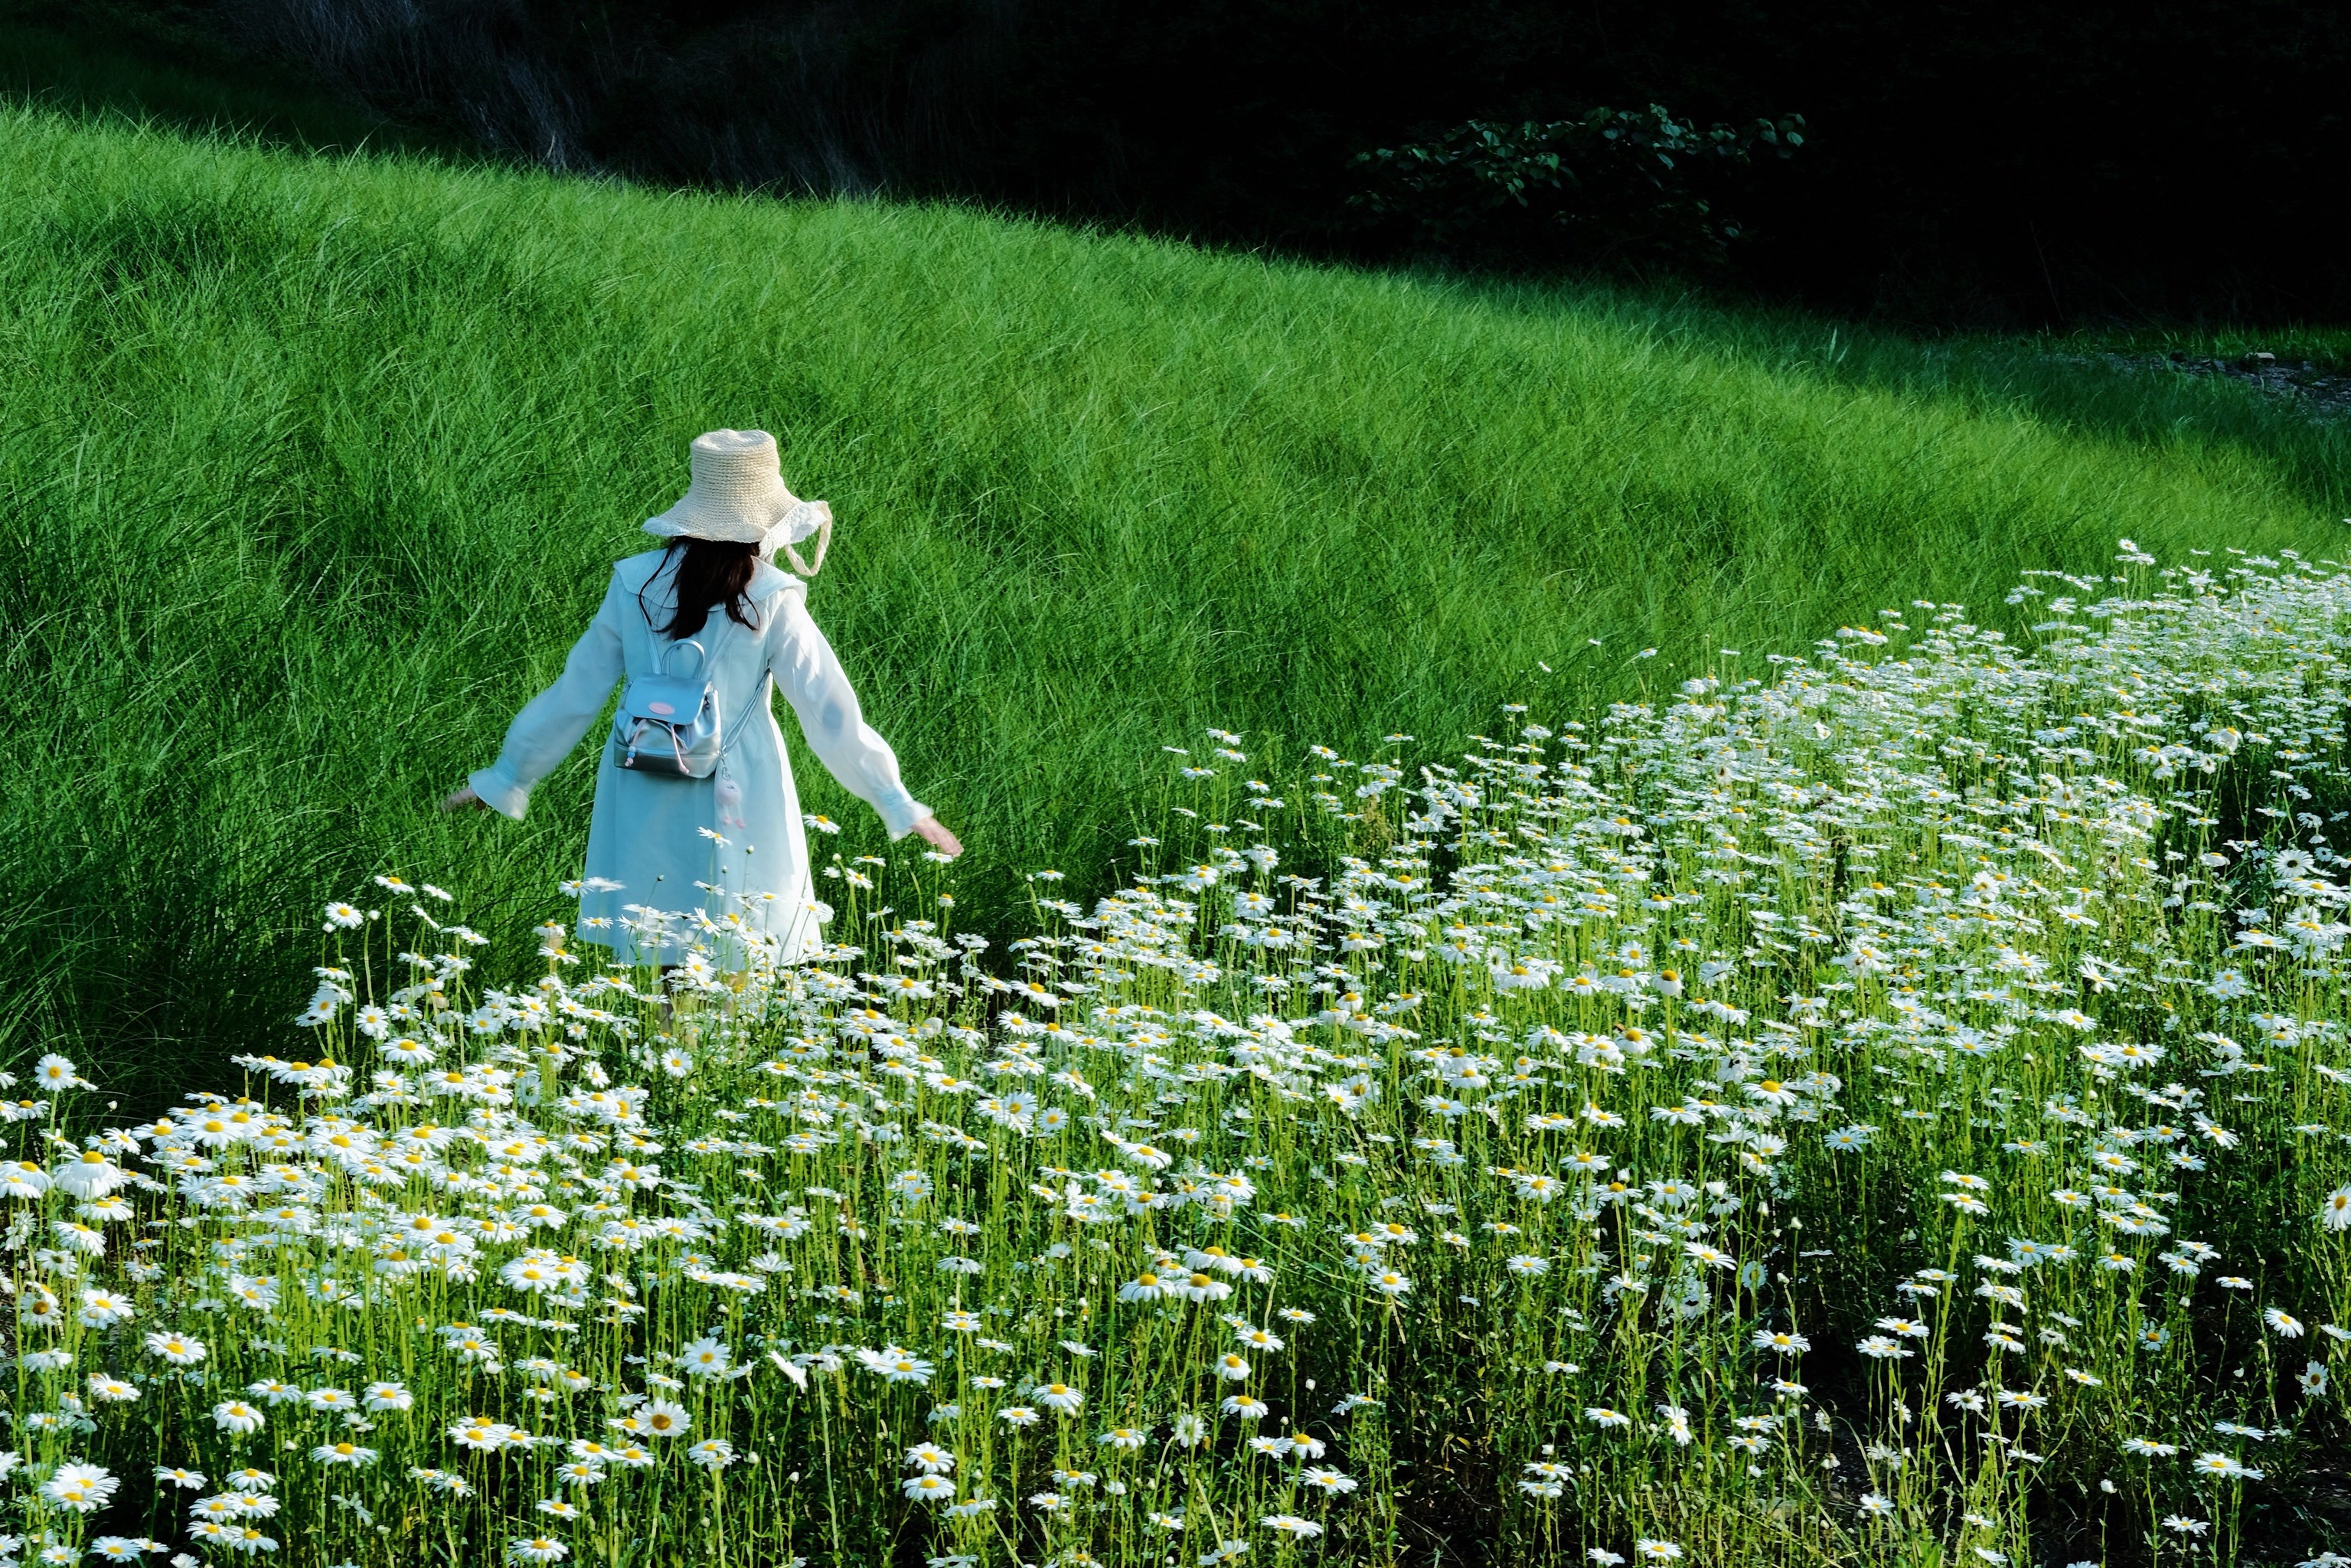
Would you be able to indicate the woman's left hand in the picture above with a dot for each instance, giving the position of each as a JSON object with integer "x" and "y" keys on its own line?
{"x": 934, "y": 832}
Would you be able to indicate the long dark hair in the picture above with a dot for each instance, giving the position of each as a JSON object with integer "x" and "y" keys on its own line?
{"x": 706, "y": 573}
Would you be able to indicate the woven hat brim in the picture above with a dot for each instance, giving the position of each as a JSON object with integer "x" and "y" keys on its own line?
{"x": 690, "y": 519}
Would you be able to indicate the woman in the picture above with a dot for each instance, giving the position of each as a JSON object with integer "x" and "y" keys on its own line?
{"x": 730, "y": 845}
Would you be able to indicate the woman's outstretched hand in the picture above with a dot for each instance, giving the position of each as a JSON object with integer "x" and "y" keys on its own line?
{"x": 930, "y": 829}
{"x": 463, "y": 799}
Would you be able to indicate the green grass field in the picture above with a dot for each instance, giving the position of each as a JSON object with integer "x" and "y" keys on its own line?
{"x": 1619, "y": 1153}
{"x": 311, "y": 467}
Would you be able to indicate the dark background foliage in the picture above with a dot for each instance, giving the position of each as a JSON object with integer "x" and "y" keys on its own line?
{"x": 1985, "y": 164}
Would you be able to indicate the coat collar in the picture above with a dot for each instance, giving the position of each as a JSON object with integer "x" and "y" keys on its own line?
{"x": 767, "y": 579}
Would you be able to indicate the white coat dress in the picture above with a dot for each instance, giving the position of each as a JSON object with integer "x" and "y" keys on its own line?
{"x": 650, "y": 845}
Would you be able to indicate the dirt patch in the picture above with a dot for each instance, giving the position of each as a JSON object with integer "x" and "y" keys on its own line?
{"x": 2320, "y": 390}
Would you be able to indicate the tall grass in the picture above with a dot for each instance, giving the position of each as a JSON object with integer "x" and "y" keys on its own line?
{"x": 311, "y": 467}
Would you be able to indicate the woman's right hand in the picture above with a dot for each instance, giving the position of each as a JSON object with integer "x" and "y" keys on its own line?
{"x": 934, "y": 832}
{"x": 463, "y": 799}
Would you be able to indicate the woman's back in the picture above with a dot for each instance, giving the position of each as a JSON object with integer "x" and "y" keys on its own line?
{"x": 676, "y": 863}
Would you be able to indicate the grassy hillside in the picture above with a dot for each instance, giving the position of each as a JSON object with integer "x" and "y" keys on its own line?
{"x": 311, "y": 468}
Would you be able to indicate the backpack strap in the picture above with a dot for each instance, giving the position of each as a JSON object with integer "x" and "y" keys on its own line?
{"x": 727, "y": 737}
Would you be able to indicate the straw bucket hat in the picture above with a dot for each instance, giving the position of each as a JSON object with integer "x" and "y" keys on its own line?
{"x": 737, "y": 496}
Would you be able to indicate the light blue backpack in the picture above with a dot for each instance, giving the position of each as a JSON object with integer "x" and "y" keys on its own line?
{"x": 668, "y": 725}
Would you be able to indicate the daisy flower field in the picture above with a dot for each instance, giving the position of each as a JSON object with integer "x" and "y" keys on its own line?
{"x": 1884, "y": 1104}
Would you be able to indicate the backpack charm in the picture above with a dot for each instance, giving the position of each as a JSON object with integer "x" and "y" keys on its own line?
{"x": 730, "y": 801}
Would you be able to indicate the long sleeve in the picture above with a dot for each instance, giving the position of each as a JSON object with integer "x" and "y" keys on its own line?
{"x": 810, "y": 675}
{"x": 551, "y": 723}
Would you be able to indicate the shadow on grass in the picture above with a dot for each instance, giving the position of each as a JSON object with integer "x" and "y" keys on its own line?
{"x": 2105, "y": 384}
{"x": 101, "y": 63}
{"x": 2073, "y": 385}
